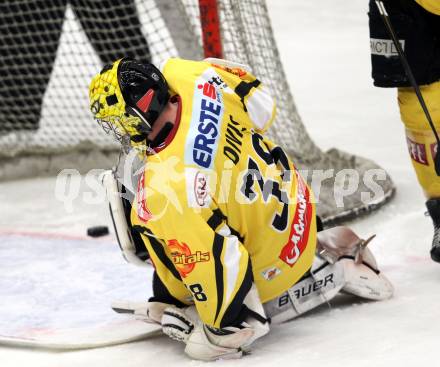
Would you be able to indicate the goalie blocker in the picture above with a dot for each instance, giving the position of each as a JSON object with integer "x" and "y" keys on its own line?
{"x": 343, "y": 263}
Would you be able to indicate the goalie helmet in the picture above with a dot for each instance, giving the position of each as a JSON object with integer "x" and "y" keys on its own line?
{"x": 127, "y": 97}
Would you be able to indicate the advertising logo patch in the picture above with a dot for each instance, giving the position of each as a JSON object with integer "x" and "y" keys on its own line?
{"x": 417, "y": 152}
{"x": 200, "y": 188}
{"x": 206, "y": 120}
{"x": 183, "y": 259}
{"x": 197, "y": 188}
{"x": 312, "y": 286}
{"x": 385, "y": 47}
{"x": 270, "y": 273}
{"x": 233, "y": 70}
{"x": 300, "y": 228}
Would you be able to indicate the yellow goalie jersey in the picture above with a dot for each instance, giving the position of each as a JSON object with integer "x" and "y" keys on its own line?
{"x": 221, "y": 206}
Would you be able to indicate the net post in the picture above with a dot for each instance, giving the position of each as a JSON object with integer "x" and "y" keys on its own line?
{"x": 210, "y": 23}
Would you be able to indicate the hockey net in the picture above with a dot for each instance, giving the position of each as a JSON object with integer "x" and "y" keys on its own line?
{"x": 50, "y": 50}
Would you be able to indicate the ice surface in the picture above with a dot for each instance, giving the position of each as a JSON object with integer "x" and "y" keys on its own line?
{"x": 324, "y": 47}
{"x": 63, "y": 283}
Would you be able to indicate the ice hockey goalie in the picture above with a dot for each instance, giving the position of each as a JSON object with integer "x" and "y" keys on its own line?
{"x": 224, "y": 215}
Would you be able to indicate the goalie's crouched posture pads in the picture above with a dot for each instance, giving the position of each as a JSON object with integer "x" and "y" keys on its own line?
{"x": 227, "y": 220}
{"x": 342, "y": 263}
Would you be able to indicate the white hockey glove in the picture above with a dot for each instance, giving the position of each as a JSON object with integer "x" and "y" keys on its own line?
{"x": 150, "y": 312}
{"x": 202, "y": 342}
{"x": 209, "y": 344}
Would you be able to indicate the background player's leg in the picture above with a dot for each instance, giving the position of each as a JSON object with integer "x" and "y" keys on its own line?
{"x": 106, "y": 21}
{"x": 417, "y": 29}
{"x": 423, "y": 148}
{"x": 28, "y": 54}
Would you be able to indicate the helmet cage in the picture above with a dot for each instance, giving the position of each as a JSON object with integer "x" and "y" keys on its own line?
{"x": 121, "y": 128}
{"x": 110, "y": 127}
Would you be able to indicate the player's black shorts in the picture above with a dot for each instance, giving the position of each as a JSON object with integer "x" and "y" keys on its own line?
{"x": 419, "y": 33}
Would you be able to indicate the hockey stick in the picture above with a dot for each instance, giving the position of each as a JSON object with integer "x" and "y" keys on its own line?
{"x": 386, "y": 19}
{"x": 90, "y": 342}
{"x": 116, "y": 333}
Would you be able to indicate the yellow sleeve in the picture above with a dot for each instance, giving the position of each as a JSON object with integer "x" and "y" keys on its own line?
{"x": 432, "y": 6}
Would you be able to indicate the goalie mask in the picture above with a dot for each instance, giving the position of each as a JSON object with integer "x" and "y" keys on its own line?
{"x": 127, "y": 97}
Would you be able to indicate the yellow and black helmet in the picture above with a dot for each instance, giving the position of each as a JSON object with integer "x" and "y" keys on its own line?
{"x": 127, "y": 97}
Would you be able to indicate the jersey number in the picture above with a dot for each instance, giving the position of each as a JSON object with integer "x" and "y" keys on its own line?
{"x": 268, "y": 187}
{"x": 197, "y": 291}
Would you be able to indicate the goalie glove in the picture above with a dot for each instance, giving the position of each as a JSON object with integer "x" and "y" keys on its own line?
{"x": 207, "y": 343}
{"x": 150, "y": 312}
{"x": 202, "y": 342}
{"x": 179, "y": 323}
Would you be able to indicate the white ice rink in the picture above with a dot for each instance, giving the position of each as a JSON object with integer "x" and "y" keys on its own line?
{"x": 324, "y": 47}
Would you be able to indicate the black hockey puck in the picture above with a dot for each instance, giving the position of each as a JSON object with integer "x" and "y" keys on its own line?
{"x": 97, "y": 231}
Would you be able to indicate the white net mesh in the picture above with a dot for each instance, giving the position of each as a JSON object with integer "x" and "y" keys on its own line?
{"x": 50, "y": 49}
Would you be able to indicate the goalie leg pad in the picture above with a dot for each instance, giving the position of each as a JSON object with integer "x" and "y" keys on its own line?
{"x": 361, "y": 272}
{"x": 363, "y": 279}
{"x": 343, "y": 263}
{"x": 323, "y": 283}
{"x": 121, "y": 227}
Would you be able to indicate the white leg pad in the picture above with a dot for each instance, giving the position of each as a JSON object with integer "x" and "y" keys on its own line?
{"x": 323, "y": 284}
{"x": 364, "y": 280}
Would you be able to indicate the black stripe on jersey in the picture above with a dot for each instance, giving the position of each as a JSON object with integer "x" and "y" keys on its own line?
{"x": 236, "y": 310}
{"x": 217, "y": 218}
{"x": 159, "y": 250}
{"x": 217, "y": 249}
{"x": 244, "y": 88}
{"x": 162, "y": 294}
